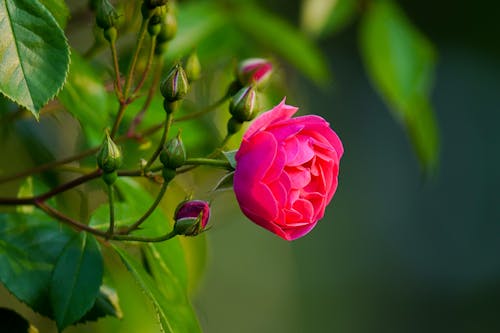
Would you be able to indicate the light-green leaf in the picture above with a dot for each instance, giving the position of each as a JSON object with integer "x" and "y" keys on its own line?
{"x": 400, "y": 61}
{"x": 76, "y": 279}
{"x": 29, "y": 247}
{"x": 173, "y": 316}
{"x": 319, "y": 17}
{"x": 34, "y": 54}
{"x": 85, "y": 97}
{"x": 283, "y": 39}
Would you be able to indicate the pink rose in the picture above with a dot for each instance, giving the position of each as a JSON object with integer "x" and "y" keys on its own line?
{"x": 286, "y": 171}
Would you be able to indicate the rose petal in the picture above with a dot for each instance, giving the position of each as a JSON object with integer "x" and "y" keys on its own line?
{"x": 299, "y": 176}
{"x": 279, "y": 113}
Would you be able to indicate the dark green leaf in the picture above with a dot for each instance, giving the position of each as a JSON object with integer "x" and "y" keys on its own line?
{"x": 85, "y": 97}
{"x": 174, "y": 312}
{"x": 400, "y": 61}
{"x": 76, "y": 279}
{"x": 59, "y": 10}
{"x": 283, "y": 39}
{"x": 13, "y": 322}
{"x": 29, "y": 247}
{"x": 34, "y": 54}
{"x": 106, "y": 304}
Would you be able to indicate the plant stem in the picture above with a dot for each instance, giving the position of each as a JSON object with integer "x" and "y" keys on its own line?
{"x": 210, "y": 162}
{"x": 166, "y": 127}
{"x": 148, "y": 66}
{"x": 168, "y": 236}
{"x": 111, "y": 228}
{"x": 131, "y": 69}
{"x": 151, "y": 209}
{"x": 67, "y": 220}
{"x": 114, "y": 55}
{"x": 206, "y": 110}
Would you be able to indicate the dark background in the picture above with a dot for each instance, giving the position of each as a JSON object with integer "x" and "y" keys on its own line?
{"x": 396, "y": 252}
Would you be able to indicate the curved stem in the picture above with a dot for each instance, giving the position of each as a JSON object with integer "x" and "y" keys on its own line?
{"x": 131, "y": 69}
{"x": 132, "y": 238}
{"x": 68, "y": 220}
{"x": 206, "y": 110}
{"x": 166, "y": 127}
{"x": 151, "y": 209}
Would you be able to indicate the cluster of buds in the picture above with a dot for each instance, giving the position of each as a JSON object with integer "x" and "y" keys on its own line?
{"x": 191, "y": 217}
{"x": 251, "y": 74}
{"x": 109, "y": 159}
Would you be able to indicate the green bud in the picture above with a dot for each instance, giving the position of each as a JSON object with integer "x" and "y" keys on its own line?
{"x": 243, "y": 104}
{"x": 110, "y": 34}
{"x": 193, "y": 67}
{"x": 109, "y": 157}
{"x": 155, "y": 21}
{"x": 110, "y": 178}
{"x": 168, "y": 28}
{"x": 106, "y": 16}
{"x": 188, "y": 226}
{"x": 233, "y": 126}
{"x": 233, "y": 88}
{"x": 173, "y": 154}
{"x": 175, "y": 86}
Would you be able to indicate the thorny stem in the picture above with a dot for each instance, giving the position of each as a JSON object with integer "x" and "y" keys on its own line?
{"x": 111, "y": 228}
{"x": 148, "y": 66}
{"x": 114, "y": 55}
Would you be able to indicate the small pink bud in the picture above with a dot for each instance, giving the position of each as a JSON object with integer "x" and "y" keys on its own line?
{"x": 254, "y": 71}
{"x": 191, "y": 217}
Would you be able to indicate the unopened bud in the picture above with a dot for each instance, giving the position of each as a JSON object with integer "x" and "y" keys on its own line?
{"x": 191, "y": 217}
{"x": 106, "y": 15}
{"x": 156, "y": 20}
{"x": 175, "y": 86}
{"x": 109, "y": 157}
{"x": 233, "y": 126}
{"x": 255, "y": 71}
{"x": 168, "y": 28}
{"x": 173, "y": 154}
{"x": 243, "y": 104}
{"x": 193, "y": 67}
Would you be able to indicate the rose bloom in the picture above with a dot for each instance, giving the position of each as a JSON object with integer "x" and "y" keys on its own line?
{"x": 286, "y": 171}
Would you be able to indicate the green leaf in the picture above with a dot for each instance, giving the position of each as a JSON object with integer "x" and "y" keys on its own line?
{"x": 13, "y": 322}
{"x": 59, "y": 10}
{"x": 225, "y": 183}
{"x": 85, "y": 97}
{"x": 400, "y": 61}
{"x": 230, "y": 156}
{"x": 29, "y": 247}
{"x": 34, "y": 54}
{"x": 76, "y": 279}
{"x": 319, "y": 17}
{"x": 106, "y": 304}
{"x": 174, "y": 314}
{"x": 283, "y": 39}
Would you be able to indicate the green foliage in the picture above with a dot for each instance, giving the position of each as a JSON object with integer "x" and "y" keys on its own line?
{"x": 400, "y": 61}
{"x": 174, "y": 315}
{"x": 76, "y": 279}
{"x": 59, "y": 10}
{"x": 321, "y": 17}
{"x": 29, "y": 248}
{"x": 85, "y": 97}
{"x": 31, "y": 78}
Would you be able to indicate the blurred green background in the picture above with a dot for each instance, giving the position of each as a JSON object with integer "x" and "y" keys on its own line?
{"x": 396, "y": 252}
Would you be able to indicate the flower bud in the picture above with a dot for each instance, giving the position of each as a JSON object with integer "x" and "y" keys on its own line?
{"x": 109, "y": 157}
{"x": 191, "y": 217}
{"x": 233, "y": 126}
{"x": 106, "y": 16}
{"x": 173, "y": 154}
{"x": 110, "y": 34}
{"x": 110, "y": 177}
{"x": 193, "y": 67}
{"x": 175, "y": 86}
{"x": 168, "y": 28}
{"x": 243, "y": 105}
{"x": 155, "y": 21}
{"x": 254, "y": 71}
